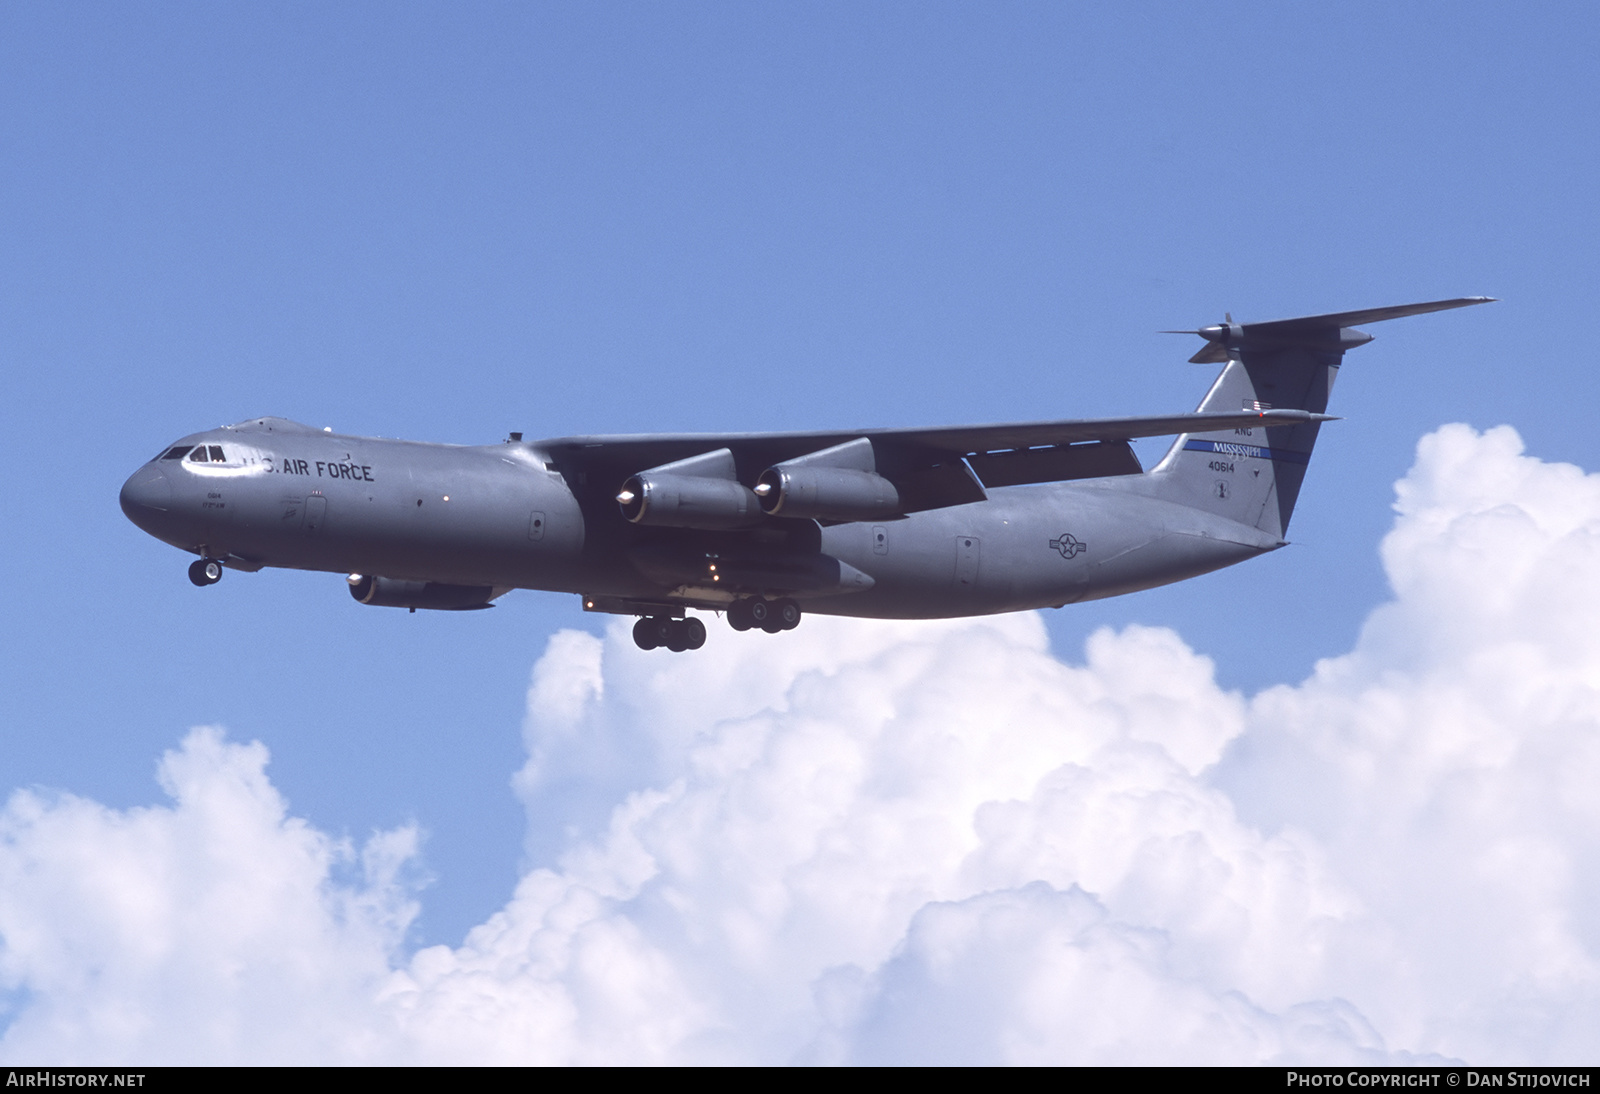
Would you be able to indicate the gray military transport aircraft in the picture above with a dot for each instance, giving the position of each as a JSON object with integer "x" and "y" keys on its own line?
{"x": 884, "y": 523}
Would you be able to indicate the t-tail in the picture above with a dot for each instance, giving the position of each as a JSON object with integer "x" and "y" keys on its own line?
{"x": 1253, "y": 475}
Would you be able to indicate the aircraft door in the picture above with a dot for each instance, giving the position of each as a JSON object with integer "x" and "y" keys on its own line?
{"x": 316, "y": 513}
{"x": 968, "y": 554}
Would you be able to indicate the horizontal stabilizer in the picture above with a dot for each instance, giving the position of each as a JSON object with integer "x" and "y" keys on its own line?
{"x": 1333, "y": 330}
{"x": 1370, "y": 315}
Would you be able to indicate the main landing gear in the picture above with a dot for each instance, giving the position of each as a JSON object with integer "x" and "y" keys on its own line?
{"x": 205, "y": 571}
{"x": 771, "y": 616}
{"x": 654, "y": 631}
{"x": 676, "y": 635}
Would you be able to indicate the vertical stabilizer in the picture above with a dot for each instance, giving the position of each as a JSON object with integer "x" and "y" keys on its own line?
{"x": 1253, "y": 475}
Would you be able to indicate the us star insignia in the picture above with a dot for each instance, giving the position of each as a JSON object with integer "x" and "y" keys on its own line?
{"x": 1068, "y": 546}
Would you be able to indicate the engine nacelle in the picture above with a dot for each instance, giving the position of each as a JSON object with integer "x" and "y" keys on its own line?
{"x": 826, "y": 493}
{"x": 702, "y": 491}
{"x": 688, "y": 501}
{"x": 388, "y": 592}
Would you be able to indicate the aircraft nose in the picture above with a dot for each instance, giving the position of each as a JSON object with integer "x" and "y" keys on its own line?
{"x": 146, "y": 494}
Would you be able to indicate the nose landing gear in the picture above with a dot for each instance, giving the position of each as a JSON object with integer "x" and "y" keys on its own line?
{"x": 205, "y": 571}
{"x": 771, "y": 616}
{"x": 677, "y": 635}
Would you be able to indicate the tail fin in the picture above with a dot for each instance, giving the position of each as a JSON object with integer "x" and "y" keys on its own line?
{"x": 1253, "y": 475}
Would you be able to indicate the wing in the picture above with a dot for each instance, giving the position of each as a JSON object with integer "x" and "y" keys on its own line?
{"x": 932, "y": 468}
{"x": 959, "y": 440}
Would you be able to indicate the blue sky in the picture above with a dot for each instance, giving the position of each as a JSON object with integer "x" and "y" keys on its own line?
{"x": 445, "y": 222}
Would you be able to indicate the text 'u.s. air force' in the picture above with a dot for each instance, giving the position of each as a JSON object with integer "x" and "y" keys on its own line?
{"x": 360, "y": 472}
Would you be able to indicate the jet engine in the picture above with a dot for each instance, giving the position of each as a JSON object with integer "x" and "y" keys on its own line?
{"x": 839, "y": 483}
{"x": 826, "y": 493}
{"x": 388, "y": 592}
{"x": 699, "y": 492}
{"x": 684, "y": 501}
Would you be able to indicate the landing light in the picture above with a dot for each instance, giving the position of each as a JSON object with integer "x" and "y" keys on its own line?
{"x": 355, "y": 579}
{"x": 625, "y": 497}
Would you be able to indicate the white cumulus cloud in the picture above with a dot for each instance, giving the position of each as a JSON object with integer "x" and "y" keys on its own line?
{"x": 206, "y": 931}
{"x": 937, "y": 842}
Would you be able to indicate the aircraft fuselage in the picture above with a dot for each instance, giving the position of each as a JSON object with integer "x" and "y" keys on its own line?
{"x": 507, "y": 516}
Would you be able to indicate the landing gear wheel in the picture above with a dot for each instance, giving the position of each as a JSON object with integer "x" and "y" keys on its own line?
{"x": 788, "y": 613}
{"x": 694, "y": 634}
{"x": 739, "y": 615}
{"x": 759, "y": 612}
{"x": 665, "y": 627}
{"x": 654, "y": 631}
{"x": 644, "y": 633}
{"x": 205, "y": 571}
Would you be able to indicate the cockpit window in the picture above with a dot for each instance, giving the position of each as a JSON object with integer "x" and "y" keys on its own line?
{"x": 216, "y": 454}
{"x": 199, "y": 455}
{"x": 176, "y": 453}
